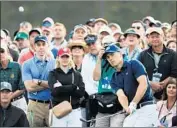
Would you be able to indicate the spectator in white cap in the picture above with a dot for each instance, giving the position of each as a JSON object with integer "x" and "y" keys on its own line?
{"x": 25, "y": 27}
{"x": 99, "y": 22}
{"x": 104, "y": 31}
{"x": 114, "y": 27}
{"x": 80, "y": 32}
{"x": 157, "y": 58}
{"x": 147, "y": 20}
{"x": 116, "y": 34}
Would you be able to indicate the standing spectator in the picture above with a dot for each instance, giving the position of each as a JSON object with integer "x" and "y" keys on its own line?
{"x": 11, "y": 72}
{"x": 22, "y": 40}
{"x": 147, "y": 20}
{"x": 14, "y": 54}
{"x": 132, "y": 39}
{"x": 121, "y": 41}
{"x": 35, "y": 75}
{"x": 59, "y": 36}
{"x": 11, "y": 116}
{"x": 99, "y": 22}
{"x": 114, "y": 27}
{"x": 90, "y": 22}
{"x": 30, "y": 52}
{"x": 25, "y": 27}
{"x": 117, "y": 34}
{"x": 80, "y": 32}
{"x": 130, "y": 84}
{"x": 167, "y": 107}
{"x": 171, "y": 44}
{"x": 157, "y": 58}
{"x": 66, "y": 84}
{"x": 47, "y": 30}
{"x": 104, "y": 31}
{"x": 77, "y": 50}
{"x": 88, "y": 65}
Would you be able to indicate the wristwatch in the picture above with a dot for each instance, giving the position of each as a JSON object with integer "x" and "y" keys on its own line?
{"x": 39, "y": 82}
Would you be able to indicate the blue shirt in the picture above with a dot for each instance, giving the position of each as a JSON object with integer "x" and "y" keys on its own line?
{"x": 37, "y": 69}
{"x": 126, "y": 80}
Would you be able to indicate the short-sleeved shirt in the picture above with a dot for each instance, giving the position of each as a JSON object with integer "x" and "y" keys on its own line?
{"x": 126, "y": 80}
{"x": 37, "y": 69}
{"x": 106, "y": 75}
{"x": 25, "y": 56}
{"x": 12, "y": 74}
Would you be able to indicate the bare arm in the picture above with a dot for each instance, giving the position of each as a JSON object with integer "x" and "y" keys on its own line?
{"x": 122, "y": 99}
{"x": 32, "y": 86}
{"x": 97, "y": 70}
{"x": 142, "y": 87}
{"x": 17, "y": 93}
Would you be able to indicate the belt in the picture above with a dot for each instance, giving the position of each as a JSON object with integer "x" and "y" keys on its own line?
{"x": 41, "y": 101}
{"x": 17, "y": 98}
{"x": 146, "y": 103}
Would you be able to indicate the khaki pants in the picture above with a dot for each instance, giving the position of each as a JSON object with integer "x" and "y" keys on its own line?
{"x": 38, "y": 114}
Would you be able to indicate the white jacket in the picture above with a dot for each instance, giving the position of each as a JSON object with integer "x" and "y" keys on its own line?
{"x": 88, "y": 65}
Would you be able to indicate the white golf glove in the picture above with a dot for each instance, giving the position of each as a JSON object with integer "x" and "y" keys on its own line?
{"x": 132, "y": 107}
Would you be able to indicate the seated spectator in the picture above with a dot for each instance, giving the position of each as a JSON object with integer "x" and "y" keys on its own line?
{"x": 10, "y": 116}
{"x": 66, "y": 84}
{"x": 167, "y": 106}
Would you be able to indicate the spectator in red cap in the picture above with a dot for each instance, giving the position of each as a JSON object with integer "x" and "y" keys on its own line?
{"x": 66, "y": 84}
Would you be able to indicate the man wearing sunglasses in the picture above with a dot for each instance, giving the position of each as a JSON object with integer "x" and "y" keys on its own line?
{"x": 88, "y": 65}
{"x": 35, "y": 76}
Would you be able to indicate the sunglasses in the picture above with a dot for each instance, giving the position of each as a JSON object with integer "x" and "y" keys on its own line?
{"x": 75, "y": 47}
{"x": 2, "y": 50}
{"x": 92, "y": 43}
{"x": 136, "y": 27}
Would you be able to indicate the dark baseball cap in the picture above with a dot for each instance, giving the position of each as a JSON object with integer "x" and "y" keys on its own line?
{"x": 35, "y": 30}
{"x": 111, "y": 49}
{"x": 90, "y": 38}
{"x": 41, "y": 38}
{"x": 6, "y": 86}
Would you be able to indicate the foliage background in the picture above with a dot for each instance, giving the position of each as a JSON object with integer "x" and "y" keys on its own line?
{"x": 78, "y": 12}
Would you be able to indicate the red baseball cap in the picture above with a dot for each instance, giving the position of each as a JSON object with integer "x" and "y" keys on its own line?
{"x": 64, "y": 51}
